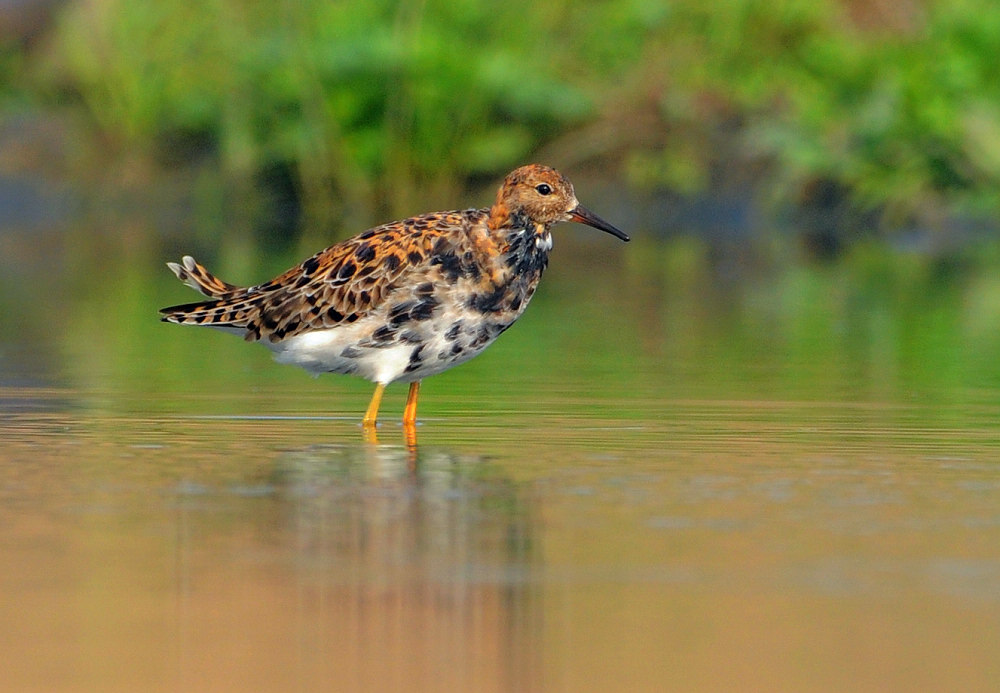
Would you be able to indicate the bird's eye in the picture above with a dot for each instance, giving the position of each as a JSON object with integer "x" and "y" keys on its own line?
{"x": 543, "y": 189}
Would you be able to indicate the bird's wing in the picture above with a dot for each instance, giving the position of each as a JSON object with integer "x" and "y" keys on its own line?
{"x": 338, "y": 285}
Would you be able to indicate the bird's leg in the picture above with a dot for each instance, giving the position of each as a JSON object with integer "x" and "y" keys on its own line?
{"x": 371, "y": 414}
{"x": 410, "y": 412}
{"x": 410, "y": 437}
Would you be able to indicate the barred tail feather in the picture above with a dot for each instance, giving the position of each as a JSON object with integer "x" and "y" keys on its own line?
{"x": 237, "y": 316}
{"x": 200, "y": 279}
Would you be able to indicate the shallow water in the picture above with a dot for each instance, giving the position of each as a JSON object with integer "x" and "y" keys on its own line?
{"x": 650, "y": 483}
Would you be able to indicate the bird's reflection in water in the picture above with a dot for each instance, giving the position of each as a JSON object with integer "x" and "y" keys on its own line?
{"x": 416, "y": 562}
{"x": 370, "y": 436}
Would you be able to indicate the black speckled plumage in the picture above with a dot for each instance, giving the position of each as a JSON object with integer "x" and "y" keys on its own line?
{"x": 403, "y": 300}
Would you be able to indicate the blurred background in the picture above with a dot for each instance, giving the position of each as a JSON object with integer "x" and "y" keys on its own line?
{"x": 823, "y": 173}
{"x": 368, "y": 108}
{"x": 807, "y": 182}
{"x": 877, "y": 116}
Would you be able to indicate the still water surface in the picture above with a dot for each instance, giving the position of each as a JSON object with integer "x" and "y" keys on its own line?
{"x": 648, "y": 484}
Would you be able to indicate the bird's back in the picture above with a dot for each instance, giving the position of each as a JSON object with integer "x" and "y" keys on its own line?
{"x": 337, "y": 286}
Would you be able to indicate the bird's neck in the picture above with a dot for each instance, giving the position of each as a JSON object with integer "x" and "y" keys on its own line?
{"x": 523, "y": 245}
{"x": 526, "y": 249}
{"x": 506, "y": 226}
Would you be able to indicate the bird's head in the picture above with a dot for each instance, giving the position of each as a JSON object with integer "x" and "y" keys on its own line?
{"x": 542, "y": 196}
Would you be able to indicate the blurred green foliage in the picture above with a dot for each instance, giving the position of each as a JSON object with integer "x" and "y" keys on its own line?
{"x": 899, "y": 103}
{"x": 369, "y": 101}
{"x": 373, "y": 104}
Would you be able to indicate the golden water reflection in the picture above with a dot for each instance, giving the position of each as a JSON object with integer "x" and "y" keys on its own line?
{"x": 135, "y": 563}
{"x": 712, "y": 545}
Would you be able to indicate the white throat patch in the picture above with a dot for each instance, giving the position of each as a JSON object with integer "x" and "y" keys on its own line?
{"x": 543, "y": 241}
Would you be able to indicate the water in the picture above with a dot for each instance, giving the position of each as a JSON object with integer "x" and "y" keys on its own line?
{"x": 660, "y": 479}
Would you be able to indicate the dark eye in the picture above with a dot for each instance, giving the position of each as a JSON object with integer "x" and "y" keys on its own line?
{"x": 543, "y": 189}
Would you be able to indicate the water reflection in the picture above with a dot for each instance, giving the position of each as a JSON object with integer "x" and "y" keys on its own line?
{"x": 421, "y": 552}
{"x": 268, "y": 552}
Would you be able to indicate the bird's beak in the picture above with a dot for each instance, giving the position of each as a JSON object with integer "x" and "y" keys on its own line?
{"x": 585, "y": 216}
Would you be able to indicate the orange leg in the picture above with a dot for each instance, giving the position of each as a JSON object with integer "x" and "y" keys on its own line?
{"x": 371, "y": 414}
{"x": 410, "y": 436}
{"x": 410, "y": 412}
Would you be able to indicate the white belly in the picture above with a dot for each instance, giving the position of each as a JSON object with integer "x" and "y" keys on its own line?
{"x": 346, "y": 349}
{"x": 323, "y": 351}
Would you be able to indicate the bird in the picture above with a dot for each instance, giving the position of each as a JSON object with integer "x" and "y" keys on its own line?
{"x": 404, "y": 300}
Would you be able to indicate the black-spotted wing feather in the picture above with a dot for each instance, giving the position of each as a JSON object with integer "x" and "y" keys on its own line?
{"x": 338, "y": 285}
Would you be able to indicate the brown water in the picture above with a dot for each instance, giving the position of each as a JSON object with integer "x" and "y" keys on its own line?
{"x": 649, "y": 484}
{"x": 706, "y": 545}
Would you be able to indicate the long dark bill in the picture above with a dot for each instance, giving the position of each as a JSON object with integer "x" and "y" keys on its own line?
{"x": 585, "y": 216}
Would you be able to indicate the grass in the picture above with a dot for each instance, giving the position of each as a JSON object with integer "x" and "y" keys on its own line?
{"x": 377, "y": 108}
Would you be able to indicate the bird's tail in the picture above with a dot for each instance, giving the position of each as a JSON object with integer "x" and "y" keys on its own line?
{"x": 201, "y": 280}
{"x": 237, "y": 315}
{"x": 230, "y": 308}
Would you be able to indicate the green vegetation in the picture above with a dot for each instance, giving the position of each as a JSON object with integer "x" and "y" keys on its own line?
{"x": 901, "y": 107}
{"x": 370, "y": 105}
{"x": 369, "y": 102}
